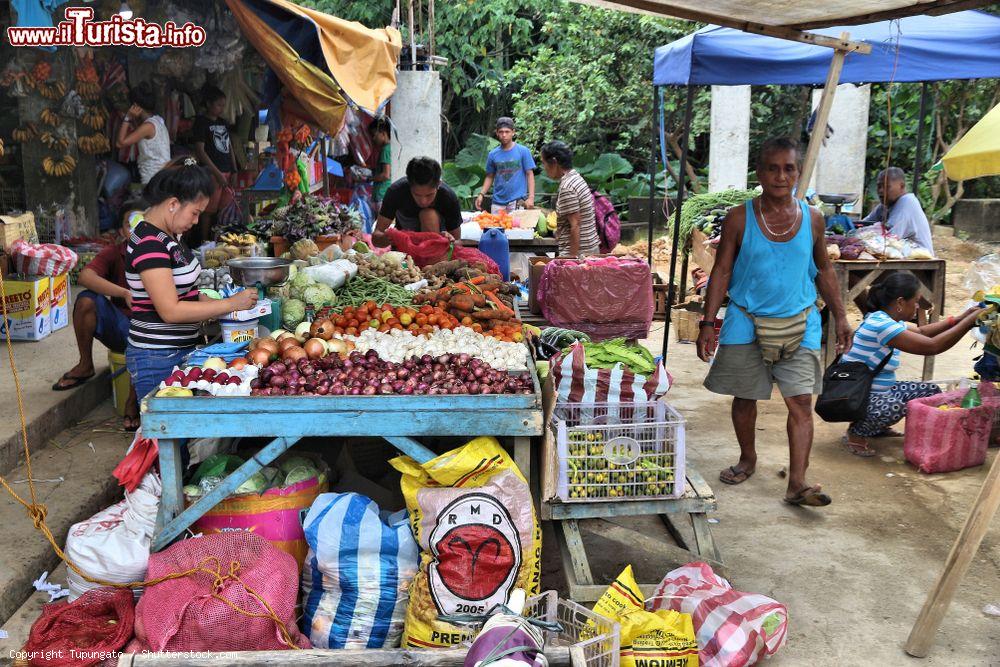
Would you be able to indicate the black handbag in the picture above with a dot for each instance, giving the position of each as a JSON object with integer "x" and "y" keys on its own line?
{"x": 846, "y": 387}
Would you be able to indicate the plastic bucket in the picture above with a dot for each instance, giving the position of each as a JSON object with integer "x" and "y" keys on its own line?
{"x": 120, "y": 381}
{"x": 238, "y": 332}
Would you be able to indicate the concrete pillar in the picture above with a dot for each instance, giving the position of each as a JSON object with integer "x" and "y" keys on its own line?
{"x": 729, "y": 148}
{"x": 416, "y": 113}
{"x": 76, "y": 192}
{"x": 841, "y": 165}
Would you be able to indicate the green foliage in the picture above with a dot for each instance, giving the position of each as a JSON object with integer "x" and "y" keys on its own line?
{"x": 466, "y": 172}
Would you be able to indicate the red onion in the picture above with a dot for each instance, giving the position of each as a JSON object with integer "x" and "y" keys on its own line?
{"x": 473, "y": 387}
{"x": 463, "y": 359}
{"x": 369, "y": 391}
{"x": 407, "y": 390}
{"x": 278, "y": 381}
{"x": 337, "y": 390}
{"x": 277, "y": 368}
{"x": 423, "y": 387}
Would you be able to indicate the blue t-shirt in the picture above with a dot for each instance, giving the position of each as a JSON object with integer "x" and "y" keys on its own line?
{"x": 508, "y": 167}
{"x": 871, "y": 346}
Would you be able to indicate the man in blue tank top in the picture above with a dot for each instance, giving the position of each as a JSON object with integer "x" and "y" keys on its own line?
{"x": 771, "y": 260}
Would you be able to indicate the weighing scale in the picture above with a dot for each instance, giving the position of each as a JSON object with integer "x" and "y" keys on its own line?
{"x": 838, "y": 218}
{"x": 262, "y": 273}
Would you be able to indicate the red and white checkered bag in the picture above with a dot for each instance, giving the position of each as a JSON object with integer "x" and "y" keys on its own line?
{"x": 733, "y": 628}
{"x": 44, "y": 259}
{"x": 575, "y": 382}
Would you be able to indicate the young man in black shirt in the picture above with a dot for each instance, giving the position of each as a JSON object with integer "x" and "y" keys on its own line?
{"x": 420, "y": 202}
{"x": 213, "y": 149}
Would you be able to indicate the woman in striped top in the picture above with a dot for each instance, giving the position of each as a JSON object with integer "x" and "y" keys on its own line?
{"x": 162, "y": 275}
{"x": 885, "y": 331}
{"x": 576, "y": 224}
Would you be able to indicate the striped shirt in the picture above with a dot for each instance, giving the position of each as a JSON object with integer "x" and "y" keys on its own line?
{"x": 150, "y": 248}
{"x": 574, "y": 197}
{"x": 871, "y": 346}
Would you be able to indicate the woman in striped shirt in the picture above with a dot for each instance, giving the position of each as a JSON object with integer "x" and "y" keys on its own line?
{"x": 885, "y": 331}
{"x": 162, "y": 275}
{"x": 576, "y": 224}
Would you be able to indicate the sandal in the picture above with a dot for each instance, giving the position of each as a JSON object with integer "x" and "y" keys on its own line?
{"x": 74, "y": 381}
{"x": 864, "y": 451}
{"x": 810, "y": 496}
{"x": 131, "y": 423}
{"x": 733, "y": 475}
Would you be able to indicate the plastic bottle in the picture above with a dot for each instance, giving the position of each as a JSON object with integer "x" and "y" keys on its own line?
{"x": 972, "y": 398}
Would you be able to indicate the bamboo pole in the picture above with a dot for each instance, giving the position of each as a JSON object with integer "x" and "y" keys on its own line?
{"x": 822, "y": 118}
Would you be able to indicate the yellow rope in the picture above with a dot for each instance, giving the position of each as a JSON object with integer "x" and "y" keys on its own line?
{"x": 37, "y": 512}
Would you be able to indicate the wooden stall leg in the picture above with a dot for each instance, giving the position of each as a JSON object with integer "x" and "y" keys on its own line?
{"x": 522, "y": 456}
{"x": 707, "y": 547}
{"x": 576, "y": 567}
{"x": 962, "y": 551}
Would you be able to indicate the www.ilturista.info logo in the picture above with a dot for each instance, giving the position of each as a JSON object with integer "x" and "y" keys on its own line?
{"x": 79, "y": 29}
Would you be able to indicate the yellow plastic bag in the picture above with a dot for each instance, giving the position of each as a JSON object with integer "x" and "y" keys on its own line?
{"x": 663, "y": 638}
{"x": 472, "y": 515}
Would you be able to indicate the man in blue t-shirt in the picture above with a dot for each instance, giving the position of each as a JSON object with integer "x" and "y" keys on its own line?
{"x": 509, "y": 171}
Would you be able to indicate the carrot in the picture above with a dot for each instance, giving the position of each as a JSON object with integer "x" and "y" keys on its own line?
{"x": 500, "y": 304}
{"x": 462, "y": 302}
{"x": 478, "y": 280}
{"x": 489, "y": 315}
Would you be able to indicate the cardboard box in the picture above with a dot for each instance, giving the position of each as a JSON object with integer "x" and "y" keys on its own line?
{"x": 28, "y": 304}
{"x": 59, "y": 304}
{"x": 14, "y": 227}
{"x": 262, "y": 309}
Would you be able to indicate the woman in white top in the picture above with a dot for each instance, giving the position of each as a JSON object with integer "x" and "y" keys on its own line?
{"x": 141, "y": 126}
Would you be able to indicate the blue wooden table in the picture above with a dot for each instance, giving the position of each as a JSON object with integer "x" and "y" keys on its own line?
{"x": 287, "y": 419}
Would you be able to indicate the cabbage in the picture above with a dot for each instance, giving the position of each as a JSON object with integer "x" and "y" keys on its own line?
{"x": 302, "y": 280}
{"x": 293, "y": 312}
{"x": 300, "y": 474}
{"x": 192, "y": 490}
{"x": 361, "y": 247}
{"x": 293, "y": 462}
{"x": 319, "y": 295}
{"x": 256, "y": 484}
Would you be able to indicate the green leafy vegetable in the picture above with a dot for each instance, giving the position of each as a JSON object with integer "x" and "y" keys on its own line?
{"x": 697, "y": 209}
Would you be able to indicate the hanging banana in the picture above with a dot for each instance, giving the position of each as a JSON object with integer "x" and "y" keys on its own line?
{"x": 49, "y": 117}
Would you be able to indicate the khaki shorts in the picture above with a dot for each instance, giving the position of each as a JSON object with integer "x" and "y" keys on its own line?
{"x": 740, "y": 371}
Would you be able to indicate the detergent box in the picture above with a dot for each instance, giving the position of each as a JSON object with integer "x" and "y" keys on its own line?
{"x": 59, "y": 304}
{"x": 28, "y": 305}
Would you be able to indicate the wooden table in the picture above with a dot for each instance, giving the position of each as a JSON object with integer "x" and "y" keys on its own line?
{"x": 541, "y": 246}
{"x": 855, "y": 276}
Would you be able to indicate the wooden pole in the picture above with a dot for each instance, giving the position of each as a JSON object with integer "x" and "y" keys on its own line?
{"x": 413, "y": 38}
{"x": 962, "y": 551}
{"x": 822, "y": 117}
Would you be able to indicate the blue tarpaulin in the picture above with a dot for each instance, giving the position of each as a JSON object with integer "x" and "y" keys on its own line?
{"x": 963, "y": 45}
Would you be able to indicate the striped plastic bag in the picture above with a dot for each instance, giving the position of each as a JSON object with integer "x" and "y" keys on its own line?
{"x": 575, "y": 382}
{"x": 356, "y": 579}
{"x": 734, "y": 628}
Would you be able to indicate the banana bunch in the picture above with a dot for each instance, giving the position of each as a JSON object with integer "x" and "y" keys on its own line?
{"x": 95, "y": 117}
{"x": 52, "y": 91}
{"x": 54, "y": 141}
{"x": 1, "y": 147}
{"x": 88, "y": 90}
{"x": 61, "y": 167}
{"x": 49, "y": 117}
{"x": 94, "y": 144}
{"x": 232, "y": 238}
{"x": 550, "y": 221}
{"x": 24, "y": 134}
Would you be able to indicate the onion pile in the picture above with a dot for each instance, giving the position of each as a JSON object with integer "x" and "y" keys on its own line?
{"x": 365, "y": 374}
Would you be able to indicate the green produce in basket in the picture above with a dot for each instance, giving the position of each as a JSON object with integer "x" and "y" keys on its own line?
{"x": 617, "y": 351}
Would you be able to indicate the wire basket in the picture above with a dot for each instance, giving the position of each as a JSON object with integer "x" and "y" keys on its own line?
{"x": 599, "y": 638}
{"x": 611, "y": 452}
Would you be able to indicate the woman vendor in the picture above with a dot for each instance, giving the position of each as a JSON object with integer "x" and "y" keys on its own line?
{"x": 576, "y": 229}
{"x": 884, "y": 332}
{"x": 162, "y": 275}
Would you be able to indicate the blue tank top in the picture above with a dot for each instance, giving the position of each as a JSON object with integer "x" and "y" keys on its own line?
{"x": 772, "y": 279}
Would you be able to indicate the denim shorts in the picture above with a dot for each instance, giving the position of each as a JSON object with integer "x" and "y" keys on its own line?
{"x": 112, "y": 323}
{"x": 149, "y": 368}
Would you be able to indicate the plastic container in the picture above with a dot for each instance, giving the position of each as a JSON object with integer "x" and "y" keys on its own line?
{"x": 120, "y": 381}
{"x": 494, "y": 244}
{"x": 597, "y": 636}
{"x": 609, "y": 452}
{"x": 238, "y": 332}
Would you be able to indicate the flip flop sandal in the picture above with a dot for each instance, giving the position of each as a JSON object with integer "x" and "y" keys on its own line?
{"x": 811, "y": 496}
{"x": 74, "y": 382}
{"x": 735, "y": 476}
{"x": 864, "y": 452}
{"x": 131, "y": 424}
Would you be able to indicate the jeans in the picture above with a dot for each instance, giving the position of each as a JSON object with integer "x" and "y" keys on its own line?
{"x": 149, "y": 368}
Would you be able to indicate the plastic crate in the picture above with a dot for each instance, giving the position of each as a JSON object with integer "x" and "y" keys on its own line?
{"x": 619, "y": 451}
{"x": 598, "y": 637}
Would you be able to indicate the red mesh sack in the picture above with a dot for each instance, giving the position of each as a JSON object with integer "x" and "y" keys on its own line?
{"x": 604, "y": 297}
{"x": 186, "y": 614}
{"x": 98, "y": 622}
{"x": 945, "y": 440}
{"x": 428, "y": 248}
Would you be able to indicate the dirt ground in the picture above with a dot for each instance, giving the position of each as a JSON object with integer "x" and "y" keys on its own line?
{"x": 855, "y": 574}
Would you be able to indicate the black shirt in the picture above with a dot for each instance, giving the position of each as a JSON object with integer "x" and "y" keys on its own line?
{"x": 400, "y": 206}
{"x": 215, "y": 135}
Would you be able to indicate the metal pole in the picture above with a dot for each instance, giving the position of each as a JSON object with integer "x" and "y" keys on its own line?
{"x": 413, "y": 39}
{"x": 918, "y": 157}
{"x": 652, "y": 178}
{"x": 430, "y": 23}
{"x": 688, "y": 109}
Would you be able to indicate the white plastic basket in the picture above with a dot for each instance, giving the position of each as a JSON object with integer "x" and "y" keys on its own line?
{"x": 598, "y": 637}
{"x": 610, "y": 452}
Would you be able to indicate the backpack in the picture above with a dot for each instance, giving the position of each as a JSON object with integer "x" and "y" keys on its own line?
{"x": 609, "y": 227}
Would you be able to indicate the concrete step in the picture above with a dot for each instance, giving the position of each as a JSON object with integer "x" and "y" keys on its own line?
{"x": 15, "y": 630}
{"x": 83, "y": 456}
{"x": 39, "y": 364}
